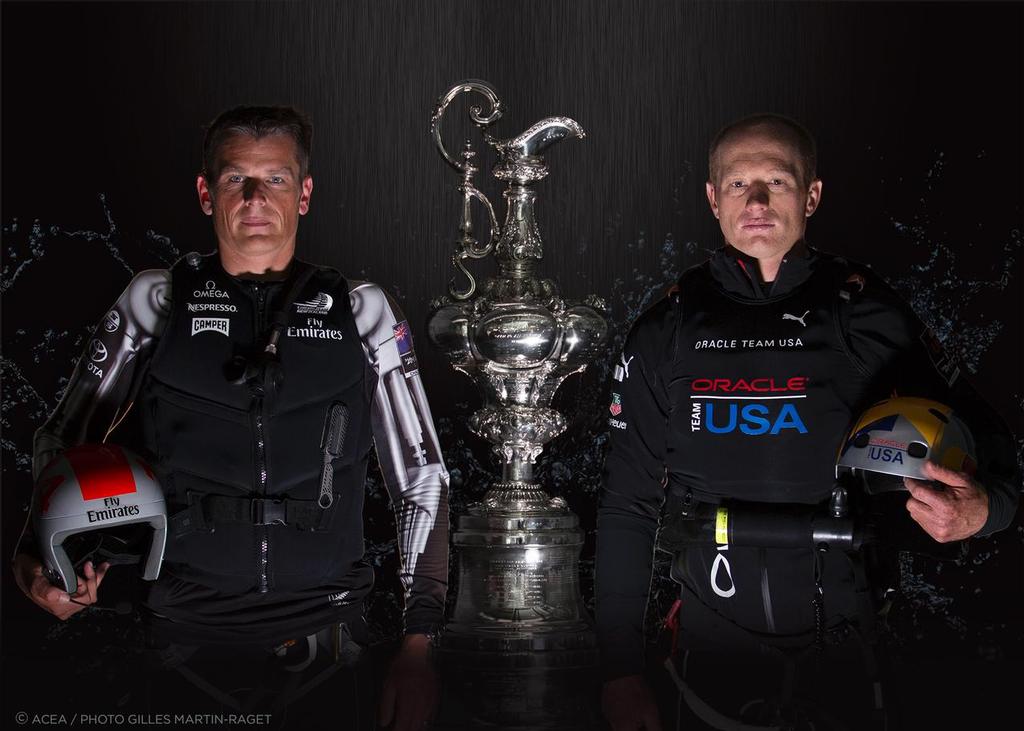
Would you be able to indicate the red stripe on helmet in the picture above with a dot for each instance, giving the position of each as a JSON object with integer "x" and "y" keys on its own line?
{"x": 101, "y": 471}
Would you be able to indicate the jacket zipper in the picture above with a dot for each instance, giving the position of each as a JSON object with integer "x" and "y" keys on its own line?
{"x": 263, "y": 561}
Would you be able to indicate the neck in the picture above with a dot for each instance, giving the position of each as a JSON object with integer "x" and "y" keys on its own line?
{"x": 270, "y": 266}
{"x": 770, "y": 267}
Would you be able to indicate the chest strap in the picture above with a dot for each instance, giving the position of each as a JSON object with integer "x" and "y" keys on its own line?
{"x": 206, "y": 511}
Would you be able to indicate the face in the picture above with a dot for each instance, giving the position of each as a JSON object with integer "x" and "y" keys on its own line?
{"x": 760, "y": 199}
{"x": 256, "y": 199}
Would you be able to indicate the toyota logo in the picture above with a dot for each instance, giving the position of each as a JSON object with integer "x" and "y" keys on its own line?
{"x": 97, "y": 351}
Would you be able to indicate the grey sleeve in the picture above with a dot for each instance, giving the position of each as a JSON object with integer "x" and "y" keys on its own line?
{"x": 409, "y": 455}
{"x": 105, "y": 378}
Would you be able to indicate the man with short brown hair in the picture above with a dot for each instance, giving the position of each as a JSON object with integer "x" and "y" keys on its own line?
{"x": 260, "y": 384}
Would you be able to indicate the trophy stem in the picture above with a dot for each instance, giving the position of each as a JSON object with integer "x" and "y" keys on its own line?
{"x": 517, "y": 472}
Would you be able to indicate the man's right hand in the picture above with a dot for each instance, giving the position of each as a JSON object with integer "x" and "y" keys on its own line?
{"x": 28, "y": 572}
{"x": 628, "y": 704}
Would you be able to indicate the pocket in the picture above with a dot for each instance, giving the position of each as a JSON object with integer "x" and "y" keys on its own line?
{"x": 298, "y": 442}
{"x": 205, "y": 438}
{"x": 208, "y": 554}
{"x": 229, "y": 552}
{"x": 302, "y": 559}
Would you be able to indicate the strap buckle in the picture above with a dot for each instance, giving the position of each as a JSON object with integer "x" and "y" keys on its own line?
{"x": 268, "y": 511}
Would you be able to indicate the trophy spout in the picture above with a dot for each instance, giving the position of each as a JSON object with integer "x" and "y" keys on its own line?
{"x": 520, "y": 159}
{"x": 541, "y": 136}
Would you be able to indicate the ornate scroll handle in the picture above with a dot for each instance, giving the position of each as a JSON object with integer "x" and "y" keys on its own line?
{"x": 475, "y": 113}
{"x": 467, "y": 245}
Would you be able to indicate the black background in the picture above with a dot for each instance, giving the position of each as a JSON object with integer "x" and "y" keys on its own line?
{"x": 917, "y": 109}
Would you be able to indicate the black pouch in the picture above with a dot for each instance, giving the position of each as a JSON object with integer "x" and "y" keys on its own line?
{"x": 680, "y": 526}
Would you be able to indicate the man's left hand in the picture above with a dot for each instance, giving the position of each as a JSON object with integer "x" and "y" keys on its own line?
{"x": 409, "y": 698}
{"x": 952, "y": 507}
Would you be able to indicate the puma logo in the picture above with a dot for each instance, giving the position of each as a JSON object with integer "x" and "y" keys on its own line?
{"x": 622, "y": 369}
{"x": 787, "y": 316}
{"x": 625, "y": 363}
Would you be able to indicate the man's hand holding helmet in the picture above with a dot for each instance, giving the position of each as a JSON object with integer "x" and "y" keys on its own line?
{"x": 30, "y": 574}
{"x": 951, "y": 507}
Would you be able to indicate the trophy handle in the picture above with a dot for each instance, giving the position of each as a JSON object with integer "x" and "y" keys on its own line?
{"x": 461, "y": 295}
{"x": 475, "y": 113}
{"x": 467, "y": 246}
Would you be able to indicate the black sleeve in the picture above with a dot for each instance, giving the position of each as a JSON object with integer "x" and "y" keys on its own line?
{"x": 889, "y": 339}
{"x": 633, "y": 495}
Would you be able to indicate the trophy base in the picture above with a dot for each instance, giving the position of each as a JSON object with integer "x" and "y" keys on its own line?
{"x": 515, "y": 679}
{"x": 519, "y": 651}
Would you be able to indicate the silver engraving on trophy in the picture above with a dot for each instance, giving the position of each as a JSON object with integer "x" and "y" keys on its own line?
{"x": 519, "y": 627}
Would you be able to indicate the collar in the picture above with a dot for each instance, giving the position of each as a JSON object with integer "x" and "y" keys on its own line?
{"x": 294, "y": 264}
{"x": 740, "y": 274}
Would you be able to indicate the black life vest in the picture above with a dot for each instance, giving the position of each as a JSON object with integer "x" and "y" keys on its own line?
{"x": 253, "y": 451}
{"x": 766, "y": 392}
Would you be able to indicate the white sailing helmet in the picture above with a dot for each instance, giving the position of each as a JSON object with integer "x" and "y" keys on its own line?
{"x": 94, "y": 494}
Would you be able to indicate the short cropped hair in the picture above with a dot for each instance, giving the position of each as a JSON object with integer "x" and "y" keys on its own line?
{"x": 257, "y": 122}
{"x": 778, "y": 126}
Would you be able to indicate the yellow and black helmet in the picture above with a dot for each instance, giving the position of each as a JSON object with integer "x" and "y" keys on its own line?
{"x": 894, "y": 438}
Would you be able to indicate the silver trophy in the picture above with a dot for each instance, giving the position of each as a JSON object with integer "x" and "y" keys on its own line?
{"x": 518, "y": 630}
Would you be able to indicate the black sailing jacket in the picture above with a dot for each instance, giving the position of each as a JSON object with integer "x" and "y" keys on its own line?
{"x": 733, "y": 389}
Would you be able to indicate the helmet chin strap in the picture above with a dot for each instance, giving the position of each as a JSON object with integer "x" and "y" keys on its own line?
{"x": 110, "y": 549}
{"x": 115, "y": 558}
